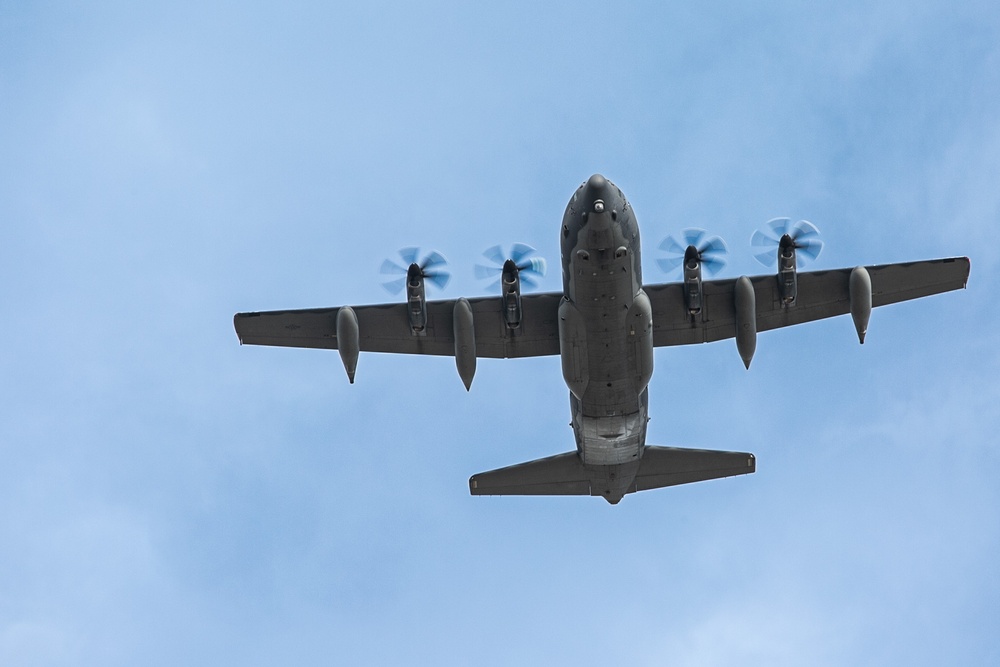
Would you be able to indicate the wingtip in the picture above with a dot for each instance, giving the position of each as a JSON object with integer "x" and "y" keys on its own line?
{"x": 236, "y": 328}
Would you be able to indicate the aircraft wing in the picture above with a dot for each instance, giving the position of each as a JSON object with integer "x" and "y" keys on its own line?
{"x": 821, "y": 294}
{"x": 386, "y": 328}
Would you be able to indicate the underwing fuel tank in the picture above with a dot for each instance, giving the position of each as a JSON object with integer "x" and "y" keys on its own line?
{"x": 348, "y": 340}
{"x": 465, "y": 342}
{"x": 746, "y": 320}
{"x": 573, "y": 348}
{"x": 860, "y": 286}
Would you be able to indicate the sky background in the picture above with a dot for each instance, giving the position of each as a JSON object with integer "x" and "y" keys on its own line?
{"x": 168, "y": 497}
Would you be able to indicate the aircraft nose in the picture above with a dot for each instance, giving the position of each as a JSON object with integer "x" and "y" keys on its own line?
{"x": 597, "y": 194}
{"x": 597, "y": 182}
{"x": 597, "y": 188}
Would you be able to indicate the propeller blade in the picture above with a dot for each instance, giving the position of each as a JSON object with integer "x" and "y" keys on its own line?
{"x": 713, "y": 246}
{"x": 670, "y": 263}
{"x": 430, "y": 268}
{"x": 803, "y": 229}
{"x": 495, "y": 255}
{"x": 779, "y": 227}
{"x": 482, "y": 271}
{"x": 389, "y": 266}
{"x": 394, "y": 286}
{"x": 519, "y": 251}
{"x": 804, "y": 234}
{"x": 433, "y": 260}
{"x": 767, "y": 257}
{"x": 810, "y": 248}
{"x": 527, "y": 281}
{"x": 520, "y": 255}
{"x": 693, "y": 236}
{"x": 409, "y": 255}
{"x": 762, "y": 240}
{"x": 713, "y": 264}
{"x": 535, "y": 265}
{"x": 439, "y": 278}
{"x": 671, "y": 246}
{"x": 711, "y": 250}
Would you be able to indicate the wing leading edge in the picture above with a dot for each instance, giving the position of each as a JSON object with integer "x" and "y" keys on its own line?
{"x": 821, "y": 294}
{"x": 385, "y": 328}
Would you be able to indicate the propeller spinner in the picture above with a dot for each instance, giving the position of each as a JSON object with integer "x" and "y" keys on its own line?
{"x": 529, "y": 268}
{"x": 431, "y": 269}
{"x": 515, "y": 267}
{"x": 694, "y": 250}
{"x": 710, "y": 251}
{"x": 782, "y": 241}
{"x": 781, "y": 234}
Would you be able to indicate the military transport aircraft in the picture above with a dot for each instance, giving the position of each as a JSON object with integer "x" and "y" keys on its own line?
{"x": 604, "y": 325}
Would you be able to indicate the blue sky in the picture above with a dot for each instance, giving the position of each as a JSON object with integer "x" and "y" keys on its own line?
{"x": 168, "y": 497}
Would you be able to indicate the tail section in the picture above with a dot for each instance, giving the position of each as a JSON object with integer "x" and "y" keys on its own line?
{"x": 566, "y": 475}
{"x": 560, "y": 475}
{"x": 669, "y": 466}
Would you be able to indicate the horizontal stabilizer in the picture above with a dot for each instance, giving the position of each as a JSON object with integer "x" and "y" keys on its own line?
{"x": 560, "y": 475}
{"x": 668, "y": 466}
{"x": 566, "y": 475}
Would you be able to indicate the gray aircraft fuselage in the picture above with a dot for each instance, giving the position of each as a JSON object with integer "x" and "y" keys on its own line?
{"x": 605, "y": 333}
{"x": 602, "y": 328}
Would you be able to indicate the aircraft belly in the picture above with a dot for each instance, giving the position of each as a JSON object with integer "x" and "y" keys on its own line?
{"x": 604, "y": 297}
{"x": 610, "y": 416}
{"x": 605, "y": 337}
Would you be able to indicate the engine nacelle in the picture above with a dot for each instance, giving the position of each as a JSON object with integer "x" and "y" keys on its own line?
{"x": 788, "y": 284}
{"x": 416, "y": 300}
{"x": 692, "y": 280}
{"x": 510, "y": 284}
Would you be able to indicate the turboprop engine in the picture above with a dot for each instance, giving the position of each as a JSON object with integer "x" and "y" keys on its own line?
{"x": 430, "y": 268}
{"x": 510, "y": 285}
{"x": 514, "y": 267}
{"x": 416, "y": 299}
{"x": 692, "y": 280}
{"x": 788, "y": 238}
{"x": 698, "y": 250}
{"x": 788, "y": 284}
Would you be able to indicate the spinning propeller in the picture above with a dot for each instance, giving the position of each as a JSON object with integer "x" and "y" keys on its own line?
{"x": 528, "y": 268}
{"x": 431, "y": 269}
{"x": 709, "y": 250}
{"x": 802, "y": 236}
